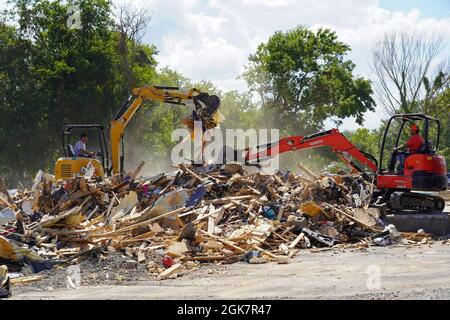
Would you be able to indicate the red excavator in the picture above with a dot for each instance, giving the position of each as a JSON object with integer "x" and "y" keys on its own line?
{"x": 421, "y": 171}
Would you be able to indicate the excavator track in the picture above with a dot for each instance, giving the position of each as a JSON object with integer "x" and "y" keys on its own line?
{"x": 416, "y": 202}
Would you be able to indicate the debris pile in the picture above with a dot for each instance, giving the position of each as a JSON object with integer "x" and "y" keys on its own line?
{"x": 174, "y": 222}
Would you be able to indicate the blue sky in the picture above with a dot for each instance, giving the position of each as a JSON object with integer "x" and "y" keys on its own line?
{"x": 429, "y": 9}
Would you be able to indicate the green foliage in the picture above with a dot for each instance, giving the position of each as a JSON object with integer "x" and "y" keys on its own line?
{"x": 304, "y": 76}
{"x": 365, "y": 139}
{"x": 240, "y": 111}
{"x": 51, "y": 75}
{"x": 19, "y": 92}
{"x": 437, "y": 104}
{"x": 439, "y": 107}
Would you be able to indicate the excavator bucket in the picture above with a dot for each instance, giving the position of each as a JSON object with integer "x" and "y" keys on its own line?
{"x": 206, "y": 110}
{"x": 210, "y": 103}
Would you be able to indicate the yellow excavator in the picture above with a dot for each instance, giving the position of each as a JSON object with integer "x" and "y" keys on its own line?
{"x": 205, "y": 109}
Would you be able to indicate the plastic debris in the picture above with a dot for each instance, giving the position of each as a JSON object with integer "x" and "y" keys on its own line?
{"x": 7, "y": 215}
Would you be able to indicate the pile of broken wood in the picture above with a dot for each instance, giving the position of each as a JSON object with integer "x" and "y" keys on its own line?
{"x": 196, "y": 214}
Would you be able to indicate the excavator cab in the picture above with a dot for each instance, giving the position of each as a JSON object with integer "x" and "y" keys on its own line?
{"x": 69, "y": 165}
{"x": 422, "y": 170}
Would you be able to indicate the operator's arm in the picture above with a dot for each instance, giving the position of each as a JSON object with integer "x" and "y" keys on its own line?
{"x": 414, "y": 142}
{"x": 402, "y": 147}
{"x": 84, "y": 152}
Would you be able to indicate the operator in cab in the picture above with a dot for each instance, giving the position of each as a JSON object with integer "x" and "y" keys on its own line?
{"x": 80, "y": 148}
{"x": 412, "y": 146}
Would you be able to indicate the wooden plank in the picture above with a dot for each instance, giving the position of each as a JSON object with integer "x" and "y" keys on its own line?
{"x": 308, "y": 172}
{"x": 308, "y": 181}
{"x": 321, "y": 250}
{"x": 296, "y": 241}
{"x": 227, "y": 206}
{"x": 278, "y": 180}
{"x": 23, "y": 280}
{"x": 4, "y": 201}
{"x": 219, "y": 216}
{"x": 228, "y": 199}
{"x": 136, "y": 172}
{"x": 211, "y": 224}
{"x": 278, "y": 236}
{"x": 168, "y": 272}
{"x": 375, "y": 229}
{"x": 270, "y": 254}
{"x": 272, "y": 192}
{"x": 111, "y": 204}
{"x": 224, "y": 241}
{"x": 287, "y": 230}
{"x": 4, "y": 190}
{"x": 280, "y": 213}
{"x": 283, "y": 247}
{"x": 155, "y": 247}
{"x": 196, "y": 176}
{"x": 139, "y": 224}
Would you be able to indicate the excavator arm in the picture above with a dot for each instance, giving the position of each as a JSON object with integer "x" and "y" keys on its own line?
{"x": 204, "y": 110}
{"x": 331, "y": 138}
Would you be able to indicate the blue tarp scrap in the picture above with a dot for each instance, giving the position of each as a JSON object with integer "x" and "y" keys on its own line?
{"x": 196, "y": 196}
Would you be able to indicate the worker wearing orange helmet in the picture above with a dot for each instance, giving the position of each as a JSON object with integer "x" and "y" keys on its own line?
{"x": 415, "y": 141}
{"x": 413, "y": 145}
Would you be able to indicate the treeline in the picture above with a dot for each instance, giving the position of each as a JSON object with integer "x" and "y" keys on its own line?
{"x": 52, "y": 74}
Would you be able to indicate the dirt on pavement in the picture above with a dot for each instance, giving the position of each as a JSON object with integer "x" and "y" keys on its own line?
{"x": 395, "y": 272}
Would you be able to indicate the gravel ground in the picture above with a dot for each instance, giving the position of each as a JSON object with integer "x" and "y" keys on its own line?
{"x": 395, "y": 272}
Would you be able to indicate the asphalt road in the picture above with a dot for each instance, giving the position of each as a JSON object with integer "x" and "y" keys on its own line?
{"x": 400, "y": 272}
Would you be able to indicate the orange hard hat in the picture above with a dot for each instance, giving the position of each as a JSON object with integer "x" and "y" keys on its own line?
{"x": 414, "y": 127}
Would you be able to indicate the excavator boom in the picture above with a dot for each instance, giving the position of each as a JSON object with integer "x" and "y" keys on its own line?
{"x": 331, "y": 138}
{"x": 164, "y": 94}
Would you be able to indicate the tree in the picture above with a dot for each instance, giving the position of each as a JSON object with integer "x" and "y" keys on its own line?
{"x": 365, "y": 139}
{"x": 240, "y": 111}
{"x": 435, "y": 90}
{"x": 131, "y": 24}
{"x": 442, "y": 111}
{"x": 51, "y": 75}
{"x": 437, "y": 105}
{"x": 408, "y": 83}
{"x": 19, "y": 93}
{"x": 402, "y": 64}
{"x": 304, "y": 78}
